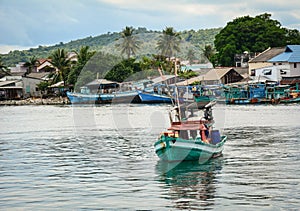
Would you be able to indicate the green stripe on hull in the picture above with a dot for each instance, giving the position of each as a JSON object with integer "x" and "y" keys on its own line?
{"x": 168, "y": 149}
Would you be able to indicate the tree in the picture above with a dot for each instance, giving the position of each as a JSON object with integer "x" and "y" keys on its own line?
{"x": 130, "y": 43}
{"x": 31, "y": 64}
{"x": 191, "y": 55}
{"x": 3, "y": 68}
{"x": 60, "y": 60}
{"x": 208, "y": 51}
{"x": 83, "y": 56}
{"x": 249, "y": 34}
{"x": 169, "y": 42}
{"x": 123, "y": 70}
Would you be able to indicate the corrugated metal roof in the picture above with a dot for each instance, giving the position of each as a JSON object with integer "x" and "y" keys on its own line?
{"x": 291, "y": 54}
{"x": 101, "y": 81}
{"x": 268, "y": 54}
{"x": 216, "y": 74}
{"x": 160, "y": 79}
{"x": 5, "y": 83}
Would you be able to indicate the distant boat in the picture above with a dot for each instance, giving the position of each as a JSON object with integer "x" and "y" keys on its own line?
{"x": 190, "y": 139}
{"x": 84, "y": 97}
{"x": 293, "y": 97}
{"x": 246, "y": 94}
{"x": 150, "y": 97}
{"x": 80, "y": 98}
{"x": 289, "y": 100}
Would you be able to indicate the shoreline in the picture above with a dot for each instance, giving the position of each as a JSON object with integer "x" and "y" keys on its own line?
{"x": 37, "y": 101}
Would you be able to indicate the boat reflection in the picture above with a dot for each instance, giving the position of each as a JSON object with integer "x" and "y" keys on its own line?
{"x": 189, "y": 185}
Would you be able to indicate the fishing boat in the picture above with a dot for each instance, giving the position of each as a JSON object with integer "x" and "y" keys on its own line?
{"x": 151, "y": 97}
{"x": 81, "y": 98}
{"x": 293, "y": 97}
{"x": 85, "y": 97}
{"x": 190, "y": 138}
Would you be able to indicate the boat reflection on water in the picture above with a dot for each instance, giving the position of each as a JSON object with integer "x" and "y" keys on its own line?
{"x": 189, "y": 185}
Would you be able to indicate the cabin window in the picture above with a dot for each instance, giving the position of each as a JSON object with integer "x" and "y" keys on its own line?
{"x": 295, "y": 65}
{"x": 267, "y": 72}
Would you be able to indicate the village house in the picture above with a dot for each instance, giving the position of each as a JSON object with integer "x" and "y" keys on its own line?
{"x": 30, "y": 82}
{"x": 216, "y": 76}
{"x": 19, "y": 68}
{"x": 11, "y": 87}
{"x": 44, "y": 65}
{"x": 279, "y": 63}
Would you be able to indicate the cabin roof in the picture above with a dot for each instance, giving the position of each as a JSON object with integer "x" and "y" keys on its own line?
{"x": 188, "y": 125}
{"x": 101, "y": 81}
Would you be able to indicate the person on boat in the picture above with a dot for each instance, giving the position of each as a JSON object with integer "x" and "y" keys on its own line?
{"x": 204, "y": 131}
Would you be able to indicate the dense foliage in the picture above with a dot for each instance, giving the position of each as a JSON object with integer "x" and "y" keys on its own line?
{"x": 252, "y": 34}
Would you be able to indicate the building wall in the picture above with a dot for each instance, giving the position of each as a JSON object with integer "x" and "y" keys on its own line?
{"x": 295, "y": 69}
{"x": 274, "y": 73}
{"x": 30, "y": 87}
{"x": 257, "y": 65}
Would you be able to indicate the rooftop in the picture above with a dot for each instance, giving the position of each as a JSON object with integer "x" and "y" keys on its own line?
{"x": 268, "y": 54}
{"x": 291, "y": 54}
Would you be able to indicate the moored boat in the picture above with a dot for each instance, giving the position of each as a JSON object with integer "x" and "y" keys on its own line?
{"x": 85, "y": 97}
{"x": 147, "y": 97}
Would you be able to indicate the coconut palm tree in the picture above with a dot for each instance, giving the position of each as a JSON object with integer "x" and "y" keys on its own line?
{"x": 31, "y": 64}
{"x": 83, "y": 56}
{"x": 169, "y": 42}
{"x": 59, "y": 59}
{"x": 130, "y": 43}
{"x": 208, "y": 51}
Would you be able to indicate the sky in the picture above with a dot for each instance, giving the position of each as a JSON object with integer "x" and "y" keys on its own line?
{"x": 30, "y": 23}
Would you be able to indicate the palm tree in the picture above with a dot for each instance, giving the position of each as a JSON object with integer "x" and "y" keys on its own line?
{"x": 83, "y": 56}
{"x": 31, "y": 64}
{"x": 191, "y": 55}
{"x": 130, "y": 44}
{"x": 208, "y": 51}
{"x": 169, "y": 42}
{"x": 59, "y": 59}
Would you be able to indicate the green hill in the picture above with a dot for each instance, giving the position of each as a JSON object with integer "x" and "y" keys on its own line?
{"x": 106, "y": 42}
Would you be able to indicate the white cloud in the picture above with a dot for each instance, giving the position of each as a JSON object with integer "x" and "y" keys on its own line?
{"x": 7, "y": 48}
{"x": 33, "y": 22}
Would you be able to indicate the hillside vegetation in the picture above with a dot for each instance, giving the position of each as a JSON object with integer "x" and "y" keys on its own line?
{"x": 106, "y": 43}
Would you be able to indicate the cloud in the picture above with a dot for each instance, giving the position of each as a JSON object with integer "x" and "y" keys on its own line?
{"x": 35, "y": 22}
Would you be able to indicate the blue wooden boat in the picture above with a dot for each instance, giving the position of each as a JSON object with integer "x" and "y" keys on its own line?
{"x": 151, "y": 97}
{"x": 80, "y": 98}
{"x": 116, "y": 97}
{"x": 246, "y": 94}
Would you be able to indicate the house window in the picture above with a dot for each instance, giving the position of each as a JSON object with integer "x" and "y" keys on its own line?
{"x": 252, "y": 73}
{"x": 267, "y": 72}
{"x": 282, "y": 72}
{"x": 295, "y": 65}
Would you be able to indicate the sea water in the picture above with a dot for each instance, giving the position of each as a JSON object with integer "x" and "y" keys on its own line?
{"x": 102, "y": 157}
